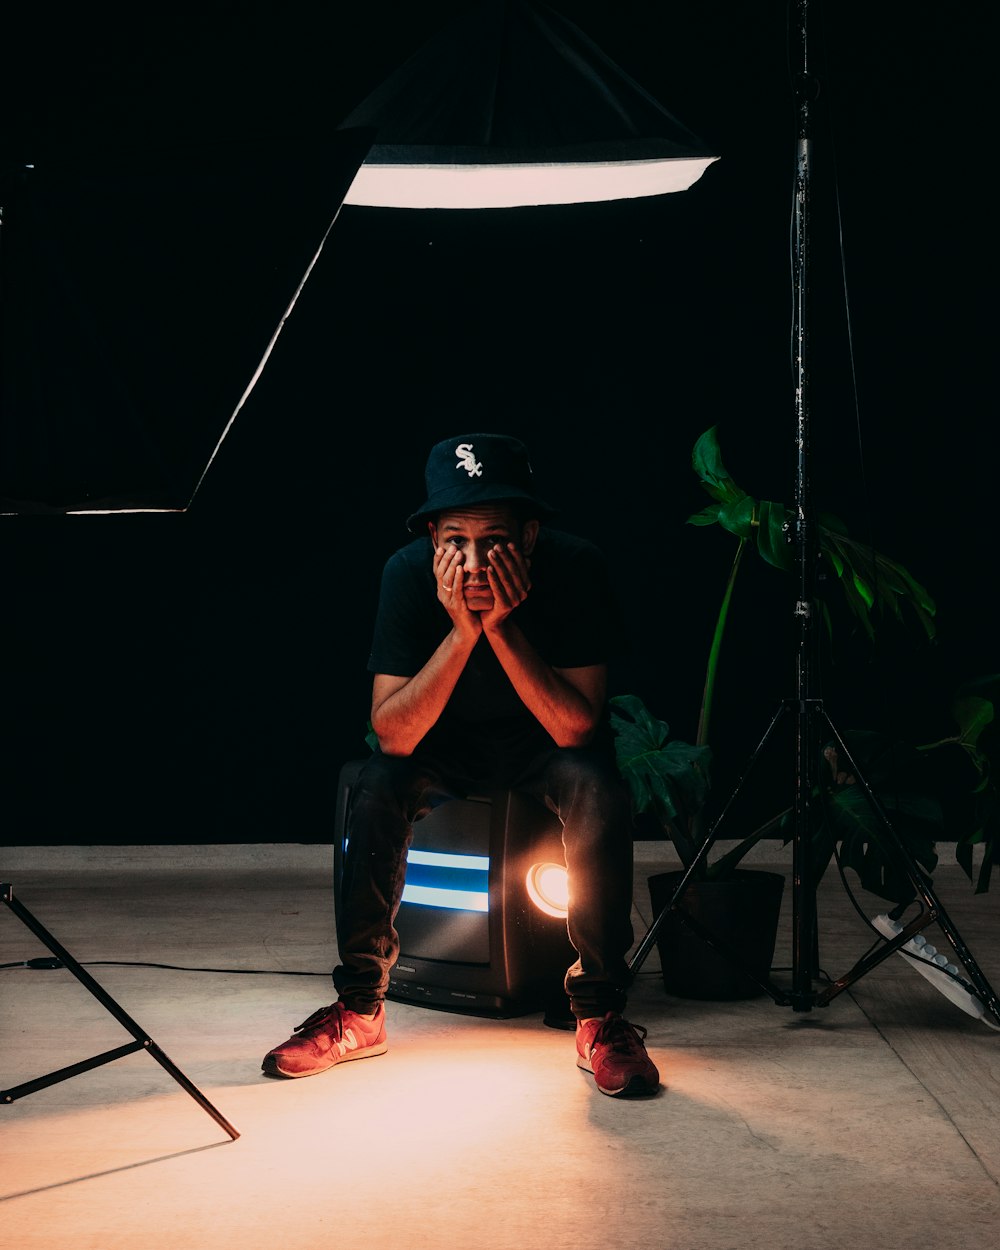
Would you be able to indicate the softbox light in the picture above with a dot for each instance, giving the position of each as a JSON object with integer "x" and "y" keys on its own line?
{"x": 513, "y": 105}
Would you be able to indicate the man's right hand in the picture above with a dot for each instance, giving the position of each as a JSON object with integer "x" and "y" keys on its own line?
{"x": 449, "y": 573}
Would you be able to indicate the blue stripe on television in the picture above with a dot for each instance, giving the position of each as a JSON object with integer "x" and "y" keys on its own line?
{"x": 435, "y": 879}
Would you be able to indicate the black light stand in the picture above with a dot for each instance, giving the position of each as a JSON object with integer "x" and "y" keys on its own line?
{"x": 142, "y": 1039}
{"x": 808, "y": 711}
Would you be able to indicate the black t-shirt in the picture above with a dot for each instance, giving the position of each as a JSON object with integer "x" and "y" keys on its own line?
{"x": 570, "y": 617}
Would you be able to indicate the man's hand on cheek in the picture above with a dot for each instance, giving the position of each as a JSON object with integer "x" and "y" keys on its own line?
{"x": 449, "y": 574}
{"x": 509, "y": 581}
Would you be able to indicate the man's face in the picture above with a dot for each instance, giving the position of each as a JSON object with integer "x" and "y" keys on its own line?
{"x": 474, "y": 532}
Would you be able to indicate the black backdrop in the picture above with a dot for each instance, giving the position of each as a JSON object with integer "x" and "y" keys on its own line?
{"x": 200, "y": 677}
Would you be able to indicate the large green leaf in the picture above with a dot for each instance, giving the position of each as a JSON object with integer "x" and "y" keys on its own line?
{"x": 972, "y": 714}
{"x": 706, "y": 460}
{"x": 871, "y": 582}
{"x": 847, "y": 819}
{"x": 707, "y": 516}
{"x": 829, "y": 521}
{"x": 772, "y": 535}
{"x": 867, "y": 846}
{"x": 666, "y": 777}
{"x": 977, "y": 821}
{"x": 737, "y": 516}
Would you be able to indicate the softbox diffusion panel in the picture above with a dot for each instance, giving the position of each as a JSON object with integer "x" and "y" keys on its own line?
{"x": 140, "y": 296}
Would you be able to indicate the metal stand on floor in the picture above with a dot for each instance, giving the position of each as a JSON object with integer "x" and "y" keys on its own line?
{"x": 142, "y": 1040}
{"x": 808, "y": 710}
{"x": 976, "y": 998}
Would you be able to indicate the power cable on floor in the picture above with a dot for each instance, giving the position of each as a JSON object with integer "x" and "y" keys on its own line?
{"x": 50, "y": 962}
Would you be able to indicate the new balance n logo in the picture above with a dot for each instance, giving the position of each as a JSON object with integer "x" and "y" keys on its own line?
{"x": 348, "y": 1042}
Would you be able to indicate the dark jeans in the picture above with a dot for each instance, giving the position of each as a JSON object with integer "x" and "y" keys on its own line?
{"x": 581, "y": 786}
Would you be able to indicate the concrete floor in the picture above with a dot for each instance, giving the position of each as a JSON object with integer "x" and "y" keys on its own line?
{"x": 870, "y": 1122}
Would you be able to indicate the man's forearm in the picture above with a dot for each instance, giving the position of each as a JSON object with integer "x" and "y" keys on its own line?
{"x": 406, "y": 715}
{"x": 564, "y": 711}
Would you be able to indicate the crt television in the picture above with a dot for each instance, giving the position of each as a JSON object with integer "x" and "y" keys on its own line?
{"x": 471, "y": 939}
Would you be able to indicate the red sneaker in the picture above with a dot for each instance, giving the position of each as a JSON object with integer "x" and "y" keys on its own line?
{"x": 331, "y": 1035}
{"x": 613, "y": 1050}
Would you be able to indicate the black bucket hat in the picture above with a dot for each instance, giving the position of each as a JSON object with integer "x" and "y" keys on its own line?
{"x": 471, "y": 469}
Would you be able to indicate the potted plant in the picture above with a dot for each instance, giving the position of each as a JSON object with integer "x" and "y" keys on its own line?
{"x": 670, "y": 780}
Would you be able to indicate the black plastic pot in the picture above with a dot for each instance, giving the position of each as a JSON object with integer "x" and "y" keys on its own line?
{"x": 741, "y": 911}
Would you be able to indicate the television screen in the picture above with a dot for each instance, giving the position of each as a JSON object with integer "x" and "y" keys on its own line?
{"x": 470, "y": 937}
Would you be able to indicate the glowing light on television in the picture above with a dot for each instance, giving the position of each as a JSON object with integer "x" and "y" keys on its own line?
{"x": 548, "y": 888}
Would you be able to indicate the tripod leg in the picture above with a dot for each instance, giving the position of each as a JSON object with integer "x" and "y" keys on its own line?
{"x": 142, "y": 1039}
{"x": 932, "y": 909}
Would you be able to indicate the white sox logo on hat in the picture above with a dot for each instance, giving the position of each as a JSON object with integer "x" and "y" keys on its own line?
{"x": 467, "y": 461}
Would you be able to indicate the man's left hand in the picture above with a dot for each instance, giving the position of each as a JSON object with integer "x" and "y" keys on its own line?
{"x": 510, "y": 582}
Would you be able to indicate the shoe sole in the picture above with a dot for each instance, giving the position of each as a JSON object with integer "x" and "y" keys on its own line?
{"x": 270, "y": 1065}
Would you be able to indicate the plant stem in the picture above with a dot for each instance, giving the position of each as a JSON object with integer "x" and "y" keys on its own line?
{"x": 712, "y": 668}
